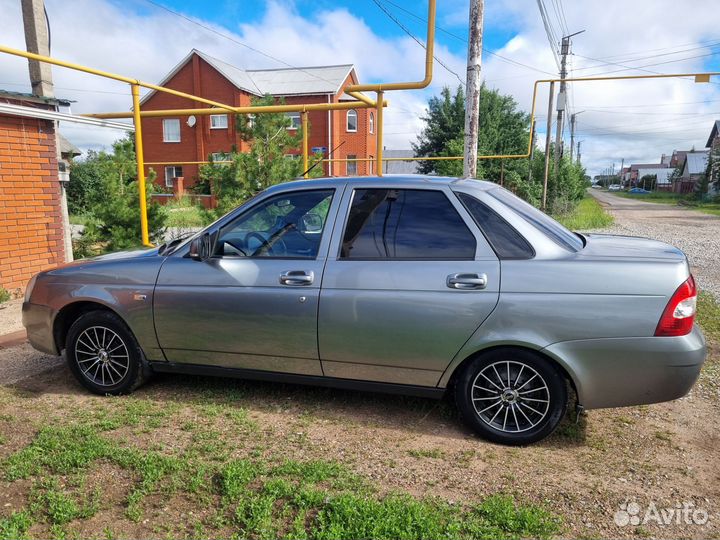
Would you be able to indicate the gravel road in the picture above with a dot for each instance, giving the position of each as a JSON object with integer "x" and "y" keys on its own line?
{"x": 697, "y": 234}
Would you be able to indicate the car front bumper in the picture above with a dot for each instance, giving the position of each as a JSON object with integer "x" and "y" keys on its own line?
{"x": 38, "y": 321}
{"x": 618, "y": 372}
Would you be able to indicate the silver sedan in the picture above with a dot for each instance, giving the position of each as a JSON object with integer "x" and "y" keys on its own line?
{"x": 413, "y": 285}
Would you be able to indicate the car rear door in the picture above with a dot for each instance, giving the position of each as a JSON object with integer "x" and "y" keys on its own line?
{"x": 253, "y": 304}
{"x": 409, "y": 278}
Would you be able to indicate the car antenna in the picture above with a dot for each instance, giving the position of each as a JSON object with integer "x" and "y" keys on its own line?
{"x": 319, "y": 162}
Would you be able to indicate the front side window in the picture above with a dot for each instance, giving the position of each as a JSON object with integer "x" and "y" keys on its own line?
{"x": 371, "y": 122}
{"x": 505, "y": 240}
{"x": 405, "y": 224}
{"x": 171, "y": 130}
{"x": 218, "y": 121}
{"x": 293, "y": 120}
{"x": 352, "y": 120}
{"x": 172, "y": 172}
{"x": 352, "y": 165}
{"x": 289, "y": 225}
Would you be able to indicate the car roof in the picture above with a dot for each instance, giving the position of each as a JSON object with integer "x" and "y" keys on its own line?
{"x": 406, "y": 180}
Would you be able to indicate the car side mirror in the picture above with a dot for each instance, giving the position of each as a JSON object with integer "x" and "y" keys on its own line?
{"x": 200, "y": 248}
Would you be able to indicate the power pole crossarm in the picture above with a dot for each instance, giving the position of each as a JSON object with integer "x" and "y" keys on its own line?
{"x": 472, "y": 91}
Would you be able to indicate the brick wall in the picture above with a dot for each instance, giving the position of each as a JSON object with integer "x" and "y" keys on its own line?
{"x": 31, "y": 234}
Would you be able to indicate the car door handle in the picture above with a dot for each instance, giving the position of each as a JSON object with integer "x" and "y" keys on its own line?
{"x": 467, "y": 281}
{"x": 297, "y": 278}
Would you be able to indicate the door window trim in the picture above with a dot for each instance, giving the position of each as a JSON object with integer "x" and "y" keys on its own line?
{"x": 458, "y": 208}
{"x": 324, "y": 240}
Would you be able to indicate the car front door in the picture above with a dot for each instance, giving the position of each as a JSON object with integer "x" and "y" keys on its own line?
{"x": 253, "y": 303}
{"x": 409, "y": 278}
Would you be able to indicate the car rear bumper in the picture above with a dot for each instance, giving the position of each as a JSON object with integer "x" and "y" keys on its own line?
{"x": 38, "y": 321}
{"x": 618, "y": 372}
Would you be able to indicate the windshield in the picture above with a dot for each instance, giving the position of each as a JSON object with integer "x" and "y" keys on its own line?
{"x": 548, "y": 226}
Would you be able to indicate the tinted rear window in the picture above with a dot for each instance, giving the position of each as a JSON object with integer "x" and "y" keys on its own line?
{"x": 548, "y": 226}
{"x": 405, "y": 224}
{"x": 506, "y": 241}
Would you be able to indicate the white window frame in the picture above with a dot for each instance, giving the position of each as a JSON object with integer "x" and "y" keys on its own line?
{"x": 371, "y": 165}
{"x": 216, "y": 117}
{"x": 353, "y": 164}
{"x": 371, "y": 122}
{"x": 347, "y": 121}
{"x": 219, "y": 156}
{"x": 169, "y": 178}
{"x": 295, "y": 120}
{"x": 166, "y": 135}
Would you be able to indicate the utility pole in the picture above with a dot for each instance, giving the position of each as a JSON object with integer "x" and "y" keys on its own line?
{"x": 572, "y": 133}
{"x": 551, "y": 95}
{"x": 578, "y": 152}
{"x": 562, "y": 96}
{"x": 472, "y": 88}
{"x": 532, "y": 150}
{"x": 37, "y": 40}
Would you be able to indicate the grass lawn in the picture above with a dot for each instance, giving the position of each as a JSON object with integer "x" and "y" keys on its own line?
{"x": 202, "y": 467}
{"x": 663, "y": 197}
{"x": 588, "y": 214}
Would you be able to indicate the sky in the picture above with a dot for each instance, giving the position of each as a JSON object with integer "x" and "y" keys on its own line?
{"x": 619, "y": 121}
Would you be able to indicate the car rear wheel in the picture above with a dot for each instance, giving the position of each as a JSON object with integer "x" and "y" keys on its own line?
{"x": 103, "y": 355}
{"x": 511, "y": 396}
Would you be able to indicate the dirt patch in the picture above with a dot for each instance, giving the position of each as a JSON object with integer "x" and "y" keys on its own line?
{"x": 11, "y": 316}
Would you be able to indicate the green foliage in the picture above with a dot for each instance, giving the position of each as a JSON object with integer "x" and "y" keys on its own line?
{"x": 588, "y": 214}
{"x": 267, "y": 163}
{"x": 112, "y": 206}
{"x": 4, "y": 295}
{"x": 15, "y": 526}
{"x": 649, "y": 182}
{"x": 503, "y": 130}
{"x": 708, "y": 315}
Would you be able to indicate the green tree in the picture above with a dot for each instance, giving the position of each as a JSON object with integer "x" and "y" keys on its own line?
{"x": 267, "y": 163}
{"x": 444, "y": 123}
{"x": 113, "y": 206}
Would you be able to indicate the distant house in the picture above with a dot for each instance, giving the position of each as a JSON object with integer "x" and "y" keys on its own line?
{"x": 400, "y": 167}
{"x": 635, "y": 167}
{"x": 678, "y": 158}
{"x": 713, "y": 141}
{"x": 693, "y": 170}
{"x": 662, "y": 174}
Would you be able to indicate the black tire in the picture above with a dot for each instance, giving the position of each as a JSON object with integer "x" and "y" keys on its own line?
{"x": 103, "y": 354}
{"x": 511, "y": 396}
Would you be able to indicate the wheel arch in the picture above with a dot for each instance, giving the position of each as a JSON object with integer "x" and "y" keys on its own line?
{"x": 70, "y": 313}
{"x": 451, "y": 375}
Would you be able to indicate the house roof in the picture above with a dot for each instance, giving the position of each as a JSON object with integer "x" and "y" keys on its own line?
{"x": 292, "y": 81}
{"x": 22, "y": 96}
{"x": 713, "y": 133}
{"x": 696, "y": 162}
{"x": 400, "y": 167}
{"x": 663, "y": 174}
{"x": 66, "y": 147}
{"x": 636, "y": 166}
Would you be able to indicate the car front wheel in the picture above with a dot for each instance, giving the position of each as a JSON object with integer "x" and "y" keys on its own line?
{"x": 511, "y": 396}
{"x": 103, "y": 355}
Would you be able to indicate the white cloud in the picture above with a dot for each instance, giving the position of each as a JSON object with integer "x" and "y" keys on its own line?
{"x": 637, "y": 121}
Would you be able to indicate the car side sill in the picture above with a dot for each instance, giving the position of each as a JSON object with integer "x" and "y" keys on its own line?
{"x": 292, "y": 378}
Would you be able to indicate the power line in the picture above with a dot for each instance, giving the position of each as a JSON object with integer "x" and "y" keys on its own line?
{"x": 552, "y": 39}
{"x": 646, "y": 57}
{"x": 404, "y": 29}
{"x": 462, "y": 39}
{"x": 236, "y": 41}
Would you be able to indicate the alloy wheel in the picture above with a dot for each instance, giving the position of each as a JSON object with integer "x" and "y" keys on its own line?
{"x": 102, "y": 356}
{"x": 510, "y": 396}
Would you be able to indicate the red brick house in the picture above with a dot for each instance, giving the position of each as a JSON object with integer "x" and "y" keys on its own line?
{"x": 187, "y": 139}
{"x": 31, "y": 219}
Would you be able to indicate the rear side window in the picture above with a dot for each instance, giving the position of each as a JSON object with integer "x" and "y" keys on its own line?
{"x": 405, "y": 224}
{"x": 505, "y": 240}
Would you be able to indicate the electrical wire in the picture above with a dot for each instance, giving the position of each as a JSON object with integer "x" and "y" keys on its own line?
{"x": 409, "y": 33}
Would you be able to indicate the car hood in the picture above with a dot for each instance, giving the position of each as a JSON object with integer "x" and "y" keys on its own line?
{"x": 632, "y": 247}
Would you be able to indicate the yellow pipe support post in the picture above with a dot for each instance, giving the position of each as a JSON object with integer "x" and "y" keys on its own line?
{"x": 140, "y": 165}
{"x": 306, "y": 174}
{"x": 429, "y": 59}
{"x": 379, "y": 134}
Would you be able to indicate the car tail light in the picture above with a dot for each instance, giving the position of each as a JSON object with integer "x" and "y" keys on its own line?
{"x": 679, "y": 314}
